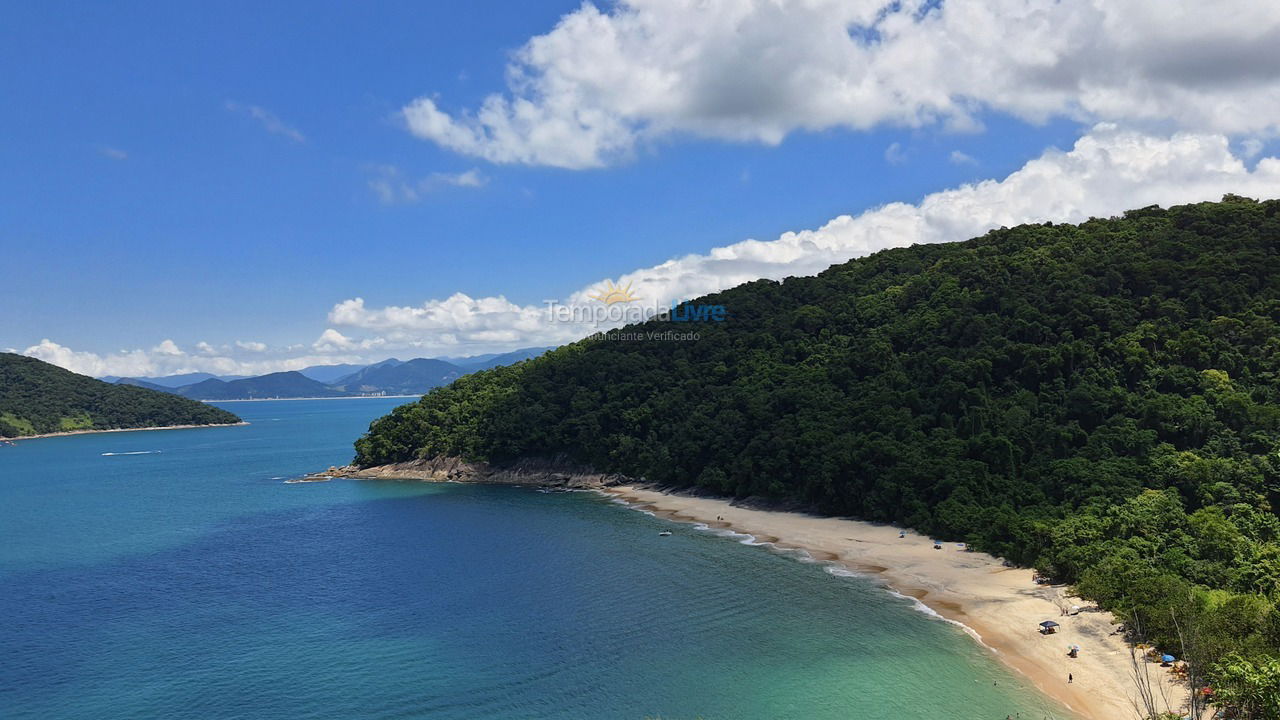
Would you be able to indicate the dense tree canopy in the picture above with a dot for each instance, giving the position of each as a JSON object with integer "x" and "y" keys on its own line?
{"x": 38, "y": 398}
{"x": 1100, "y": 400}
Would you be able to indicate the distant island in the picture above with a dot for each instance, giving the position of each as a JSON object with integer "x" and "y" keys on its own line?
{"x": 1099, "y": 401}
{"x": 389, "y": 377}
{"x": 37, "y": 398}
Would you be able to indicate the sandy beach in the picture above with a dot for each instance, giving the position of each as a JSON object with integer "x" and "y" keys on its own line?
{"x": 119, "y": 430}
{"x": 1002, "y": 605}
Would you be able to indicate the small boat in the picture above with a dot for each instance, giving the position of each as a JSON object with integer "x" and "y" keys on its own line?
{"x": 664, "y": 533}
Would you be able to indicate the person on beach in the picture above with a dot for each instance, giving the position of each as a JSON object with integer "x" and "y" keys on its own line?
{"x": 1070, "y": 678}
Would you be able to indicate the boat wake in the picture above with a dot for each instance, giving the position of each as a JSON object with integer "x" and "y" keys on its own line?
{"x": 135, "y": 452}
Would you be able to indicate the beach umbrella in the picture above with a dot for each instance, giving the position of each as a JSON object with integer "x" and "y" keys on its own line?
{"x": 1048, "y": 624}
{"x": 1167, "y": 658}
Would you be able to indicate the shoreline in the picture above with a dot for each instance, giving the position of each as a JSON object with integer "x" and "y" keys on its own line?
{"x": 998, "y": 606}
{"x": 68, "y": 433}
{"x": 342, "y": 397}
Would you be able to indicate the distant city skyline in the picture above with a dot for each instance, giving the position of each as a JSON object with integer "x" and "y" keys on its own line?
{"x": 236, "y": 190}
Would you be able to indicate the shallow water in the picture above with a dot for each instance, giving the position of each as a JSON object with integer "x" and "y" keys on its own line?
{"x": 176, "y": 574}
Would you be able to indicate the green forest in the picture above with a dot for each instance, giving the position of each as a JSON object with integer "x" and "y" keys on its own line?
{"x": 38, "y": 398}
{"x": 1100, "y": 401}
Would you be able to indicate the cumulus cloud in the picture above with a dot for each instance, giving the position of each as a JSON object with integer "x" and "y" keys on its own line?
{"x": 392, "y": 187}
{"x": 1107, "y": 171}
{"x": 585, "y": 93}
{"x": 456, "y": 320}
{"x": 267, "y": 120}
{"x": 331, "y": 341}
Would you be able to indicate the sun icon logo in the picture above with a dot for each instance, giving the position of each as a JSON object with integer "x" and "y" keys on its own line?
{"x": 614, "y": 294}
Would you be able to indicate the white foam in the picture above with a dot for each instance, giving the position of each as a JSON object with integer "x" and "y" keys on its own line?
{"x": 842, "y": 571}
{"x": 919, "y": 606}
{"x": 135, "y": 452}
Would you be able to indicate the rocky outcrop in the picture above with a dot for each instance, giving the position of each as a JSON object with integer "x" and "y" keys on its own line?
{"x": 540, "y": 472}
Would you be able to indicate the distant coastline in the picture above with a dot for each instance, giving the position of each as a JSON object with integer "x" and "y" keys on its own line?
{"x": 340, "y": 397}
{"x": 116, "y": 430}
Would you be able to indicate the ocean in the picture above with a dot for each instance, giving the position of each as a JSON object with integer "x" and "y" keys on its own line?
{"x": 175, "y": 574}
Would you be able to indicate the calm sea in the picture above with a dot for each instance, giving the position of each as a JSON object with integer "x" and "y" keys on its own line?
{"x": 174, "y": 574}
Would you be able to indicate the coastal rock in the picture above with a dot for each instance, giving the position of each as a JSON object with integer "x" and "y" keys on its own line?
{"x": 556, "y": 472}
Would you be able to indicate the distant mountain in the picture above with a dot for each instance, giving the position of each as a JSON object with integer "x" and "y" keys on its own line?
{"x": 290, "y": 384}
{"x": 402, "y": 378}
{"x": 389, "y": 377}
{"x": 139, "y": 382}
{"x": 355, "y": 376}
{"x": 463, "y": 361}
{"x": 328, "y": 374}
{"x": 484, "y": 362}
{"x": 37, "y": 398}
{"x": 170, "y": 381}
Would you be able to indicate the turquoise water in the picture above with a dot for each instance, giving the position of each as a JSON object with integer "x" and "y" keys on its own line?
{"x": 187, "y": 580}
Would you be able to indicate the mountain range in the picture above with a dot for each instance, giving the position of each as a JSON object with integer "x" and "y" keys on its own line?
{"x": 388, "y": 377}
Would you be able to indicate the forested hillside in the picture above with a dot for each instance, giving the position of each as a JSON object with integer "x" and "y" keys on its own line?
{"x": 38, "y": 398}
{"x": 1101, "y": 401}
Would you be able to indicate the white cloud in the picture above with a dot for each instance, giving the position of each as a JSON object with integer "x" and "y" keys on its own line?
{"x": 585, "y": 93}
{"x": 392, "y": 187}
{"x": 267, "y": 120}
{"x": 1251, "y": 147}
{"x": 251, "y": 346}
{"x": 1107, "y": 171}
{"x": 113, "y": 153}
{"x": 960, "y": 158}
{"x": 167, "y": 347}
{"x": 331, "y": 341}
{"x": 894, "y": 154}
{"x": 455, "y": 320}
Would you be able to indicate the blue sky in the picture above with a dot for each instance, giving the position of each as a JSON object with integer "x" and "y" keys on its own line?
{"x": 207, "y": 173}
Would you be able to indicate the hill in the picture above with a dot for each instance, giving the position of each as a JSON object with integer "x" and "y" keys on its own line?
{"x": 1101, "y": 401}
{"x": 290, "y": 384}
{"x": 412, "y": 377}
{"x": 37, "y": 398}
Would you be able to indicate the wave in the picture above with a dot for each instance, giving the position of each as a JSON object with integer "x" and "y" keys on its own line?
{"x": 135, "y": 452}
{"x": 919, "y": 606}
{"x": 740, "y": 537}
